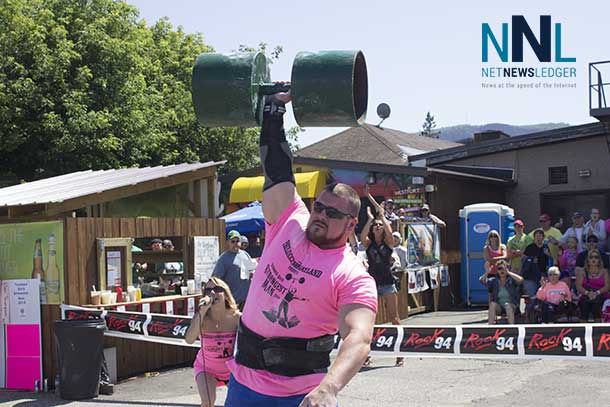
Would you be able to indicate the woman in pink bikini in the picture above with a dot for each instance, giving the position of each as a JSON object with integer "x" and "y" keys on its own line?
{"x": 493, "y": 251}
{"x": 593, "y": 284}
{"x": 215, "y": 324}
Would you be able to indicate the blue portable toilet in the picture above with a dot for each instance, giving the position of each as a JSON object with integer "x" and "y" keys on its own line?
{"x": 475, "y": 222}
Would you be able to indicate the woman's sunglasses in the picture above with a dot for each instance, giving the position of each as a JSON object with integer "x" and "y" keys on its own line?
{"x": 215, "y": 290}
{"x": 377, "y": 224}
{"x": 331, "y": 212}
{"x": 594, "y": 257}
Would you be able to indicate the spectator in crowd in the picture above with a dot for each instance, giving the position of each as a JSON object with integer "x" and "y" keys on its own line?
{"x": 425, "y": 215}
{"x": 554, "y": 294}
{"x": 156, "y": 245}
{"x": 567, "y": 261}
{"x": 389, "y": 210}
{"x": 552, "y": 235}
{"x": 515, "y": 247}
{"x": 536, "y": 260}
{"x": 234, "y": 267}
{"x": 400, "y": 251}
{"x": 254, "y": 246}
{"x": 593, "y": 284}
{"x": 215, "y": 325}
{"x": 376, "y": 236}
{"x": 597, "y": 226}
{"x": 504, "y": 292}
{"x": 493, "y": 251}
{"x": 577, "y": 230}
{"x": 592, "y": 242}
{"x": 244, "y": 243}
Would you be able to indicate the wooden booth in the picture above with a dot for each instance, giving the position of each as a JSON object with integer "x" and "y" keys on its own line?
{"x": 94, "y": 229}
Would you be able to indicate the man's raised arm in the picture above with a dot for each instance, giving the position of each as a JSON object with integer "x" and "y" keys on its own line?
{"x": 279, "y": 189}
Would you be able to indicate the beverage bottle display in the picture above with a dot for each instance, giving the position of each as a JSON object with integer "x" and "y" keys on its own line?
{"x": 38, "y": 271}
{"x": 52, "y": 273}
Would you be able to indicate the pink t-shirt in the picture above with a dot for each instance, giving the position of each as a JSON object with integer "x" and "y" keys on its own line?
{"x": 296, "y": 291}
{"x": 216, "y": 350}
{"x": 553, "y": 292}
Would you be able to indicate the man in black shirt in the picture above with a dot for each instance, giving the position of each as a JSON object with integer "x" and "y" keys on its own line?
{"x": 535, "y": 263}
{"x": 582, "y": 256}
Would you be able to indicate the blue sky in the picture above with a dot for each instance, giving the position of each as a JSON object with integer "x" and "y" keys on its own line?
{"x": 420, "y": 55}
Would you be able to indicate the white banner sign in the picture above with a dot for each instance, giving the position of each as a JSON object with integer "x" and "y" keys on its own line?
{"x": 206, "y": 255}
{"x": 24, "y": 301}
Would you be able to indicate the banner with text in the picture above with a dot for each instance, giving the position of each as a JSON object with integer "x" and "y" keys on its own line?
{"x": 467, "y": 341}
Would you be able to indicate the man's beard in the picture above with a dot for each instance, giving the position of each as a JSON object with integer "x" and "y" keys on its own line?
{"x": 320, "y": 239}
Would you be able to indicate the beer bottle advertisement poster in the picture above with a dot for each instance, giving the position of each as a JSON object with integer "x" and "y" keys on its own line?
{"x": 34, "y": 250}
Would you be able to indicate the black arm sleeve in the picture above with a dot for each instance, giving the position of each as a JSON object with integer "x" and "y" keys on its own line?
{"x": 275, "y": 154}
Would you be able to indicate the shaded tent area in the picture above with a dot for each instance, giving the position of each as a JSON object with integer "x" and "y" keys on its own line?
{"x": 247, "y": 220}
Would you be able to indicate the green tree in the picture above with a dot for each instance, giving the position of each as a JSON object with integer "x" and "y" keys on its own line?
{"x": 429, "y": 127}
{"x": 87, "y": 84}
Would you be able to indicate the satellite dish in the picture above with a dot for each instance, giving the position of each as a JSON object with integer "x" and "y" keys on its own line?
{"x": 383, "y": 111}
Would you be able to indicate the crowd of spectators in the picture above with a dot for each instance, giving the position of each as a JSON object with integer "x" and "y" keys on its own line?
{"x": 558, "y": 275}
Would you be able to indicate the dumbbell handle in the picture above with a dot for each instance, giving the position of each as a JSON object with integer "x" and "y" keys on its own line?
{"x": 271, "y": 88}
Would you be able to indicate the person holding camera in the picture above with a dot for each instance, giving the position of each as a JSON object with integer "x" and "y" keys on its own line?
{"x": 215, "y": 324}
{"x": 593, "y": 284}
{"x": 554, "y": 294}
{"x": 503, "y": 290}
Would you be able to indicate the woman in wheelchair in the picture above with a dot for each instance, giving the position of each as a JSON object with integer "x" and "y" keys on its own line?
{"x": 503, "y": 290}
{"x": 593, "y": 284}
{"x": 554, "y": 296}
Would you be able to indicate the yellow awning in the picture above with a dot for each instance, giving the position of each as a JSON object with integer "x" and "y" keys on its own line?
{"x": 248, "y": 189}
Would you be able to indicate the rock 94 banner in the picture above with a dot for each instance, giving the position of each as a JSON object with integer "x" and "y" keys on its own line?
{"x": 579, "y": 341}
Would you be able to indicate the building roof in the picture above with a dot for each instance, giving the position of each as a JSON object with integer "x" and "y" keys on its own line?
{"x": 373, "y": 145}
{"x": 92, "y": 185}
{"x": 514, "y": 143}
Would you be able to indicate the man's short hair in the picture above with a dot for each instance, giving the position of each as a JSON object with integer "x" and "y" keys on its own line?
{"x": 538, "y": 231}
{"x": 345, "y": 191}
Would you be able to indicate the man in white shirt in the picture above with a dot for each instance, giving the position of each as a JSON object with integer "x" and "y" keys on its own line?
{"x": 577, "y": 230}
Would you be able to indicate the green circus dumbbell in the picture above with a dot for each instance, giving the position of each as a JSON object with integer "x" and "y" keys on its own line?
{"x": 329, "y": 88}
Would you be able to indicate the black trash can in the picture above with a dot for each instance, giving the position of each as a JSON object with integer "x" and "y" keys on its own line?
{"x": 80, "y": 349}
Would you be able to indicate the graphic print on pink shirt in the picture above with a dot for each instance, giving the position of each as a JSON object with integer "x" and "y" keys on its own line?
{"x": 216, "y": 349}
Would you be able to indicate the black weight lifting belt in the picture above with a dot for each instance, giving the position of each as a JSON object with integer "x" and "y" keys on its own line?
{"x": 282, "y": 355}
{"x": 275, "y": 154}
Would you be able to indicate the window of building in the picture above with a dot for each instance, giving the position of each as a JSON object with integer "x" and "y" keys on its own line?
{"x": 558, "y": 175}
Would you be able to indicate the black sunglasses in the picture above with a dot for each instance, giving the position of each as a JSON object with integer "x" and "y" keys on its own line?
{"x": 594, "y": 257}
{"x": 217, "y": 290}
{"x": 331, "y": 212}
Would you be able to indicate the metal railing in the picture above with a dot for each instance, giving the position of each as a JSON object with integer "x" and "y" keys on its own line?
{"x": 597, "y": 93}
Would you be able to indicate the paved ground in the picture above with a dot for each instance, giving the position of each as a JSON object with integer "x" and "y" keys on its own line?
{"x": 450, "y": 382}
